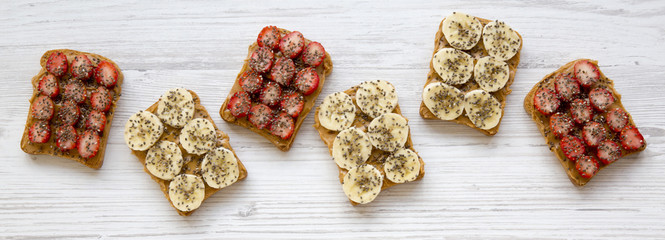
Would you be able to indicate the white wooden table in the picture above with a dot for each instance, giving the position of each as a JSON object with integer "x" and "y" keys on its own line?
{"x": 509, "y": 186}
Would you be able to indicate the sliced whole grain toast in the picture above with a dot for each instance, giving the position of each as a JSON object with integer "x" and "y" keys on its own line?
{"x": 49, "y": 148}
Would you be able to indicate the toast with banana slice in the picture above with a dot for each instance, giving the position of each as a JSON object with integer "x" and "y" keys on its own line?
{"x": 278, "y": 85}
{"x": 72, "y": 106}
{"x": 369, "y": 140}
{"x": 182, "y": 149}
{"x": 472, "y": 67}
{"x": 580, "y": 114}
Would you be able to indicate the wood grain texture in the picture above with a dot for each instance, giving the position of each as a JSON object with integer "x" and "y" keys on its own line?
{"x": 508, "y": 186}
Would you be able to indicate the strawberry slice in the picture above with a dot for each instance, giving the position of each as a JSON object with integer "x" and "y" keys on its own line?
{"x": 593, "y": 133}
{"x": 106, "y": 74}
{"x": 81, "y": 67}
{"x": 566, "y": 87}
{"x": 282, "y": 126}
{"x": 631, "y": 138}
{"x": 292, "y": 44}
{"x": 239, "y": 104}
{"x": 66, "y": 137}
{"x": 313, "y": 54}
{"x": 581, "y": 111}
{"x": 269, "y": 37}
{"x": 96, "y": 121}
{"x": 572, "y": 147}
{"x": 617, "y": 119}
{"x": 586, "y": 73}
{"x": 260, "y": 116}
{"x": 601, "y": 98}
{"x": 283, "y": 71}
{"x": 271, "y": 94}
{"x": 307, "y": 80}
{"x": 75, "y": 91}
{"x": 261, "y": 59}
{"x": 587, "y": 166}
{"x": 88, "y": 144}
{"x": 57, "y": 64}
{"x": 69, "y": 113}
{"x": 101, "y": 99}
{"x": 251, "y": 81}
{"x": 561, "y": 124}
{"x": 43, "y": 108}
{"x": 292, "y": 103}
{"x": 49, "y": 86}
{"x": 546, "y": 101}
{"x": 608, "y": 151}
{"x": 39, "y": 132}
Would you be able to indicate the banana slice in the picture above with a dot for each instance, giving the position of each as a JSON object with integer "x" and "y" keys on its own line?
{"x": 219, "y": 168}
{"x": 445, "y": 101}
{"x": 482, "y": 109}
{"x": 176, "y": 107}
{"x": 142, "y": 130}
{"x": 337, "y": 111}
{"x": 461, "y": 30}
{"x": 388, "y": 132}
{"x": 362, "y": 183}
{"x": 376, "y": 97}
{"x": 501, "y": 41}
{"x": 351, "y": 148}
{"x": 402, "y": 166}
{"x": 164, "y": 160}
{"x": 491, "y": 74}
{"x": 453, "y": 66}
{"x": 198, "y": 136}
{"x": 186, "y": 192}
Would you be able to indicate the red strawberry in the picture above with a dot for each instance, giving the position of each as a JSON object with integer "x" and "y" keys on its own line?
{"x": 43, "y": 108}
{"x": 593, "y": 133}
{"x": 608, "y": 151}
{"x": 283, "y": 71}
{"x": 260, "y": 115}
{"x": 561, "y": 124}
{"x": 269, "y": 37}
{"x": 251, "y": 82}
{"x": 572, "y": 147}
{"x": 49, "y": 86}
{"x": 96, "y": 121}
{"x": 307, "y": 80}
{"x": 292, "y": 103}
{"x": 101, "y": 99}
{"x": 271, "y": 94}
{"x": 88, "y": 144}
{"x": 81, "y": 67}
{"x": 69, "y": 113}
{"x": 261, "y": 60}
{"x": 631, "y": 138}
{"x": 66, "y": 137}
{"x": 39, "y": 132}
{"x": 292, "y": 44}
{"x": 601, "y": 98}
{"x": 586, "y": 73}
{"x": 546, "y": 101}
{"x": 75, "y": 91}
{"x": 566, "y": 87}
{"x": 106, "y": 74}
{"x": 581, "y": 111}
{"x": 313, "y": 54}
{"x": 57, "y": 64}
{"x": 587, "y": 166}
{"x": 282, "y": 126}
{"x": 616, "y": 119}
{"x": 239, "y": 104}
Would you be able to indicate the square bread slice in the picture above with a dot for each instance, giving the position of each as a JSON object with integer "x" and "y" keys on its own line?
{"x": 50, "y": 148}
{"x": 192, "y": 162}
{"x": 377, "y": 156}
{"x": 476, "y": 52}
{"x": 323, "y": 71}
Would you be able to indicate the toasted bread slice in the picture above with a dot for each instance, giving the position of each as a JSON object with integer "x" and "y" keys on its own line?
{"x": 192, "y": 162}
{"x": 476, "y": 52}
{"x": 49, "y": 148}
{"x": 378, "y": 156}
{"x": 323, "y": 70}
{"x": 542, "y": 121}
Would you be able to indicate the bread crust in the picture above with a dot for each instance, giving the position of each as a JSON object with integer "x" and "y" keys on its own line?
{"x": 50, "y": 148}
{"x": 542, "y": 121}
{"x": 323, "y": 71}
{"x": 476, "y": 52}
